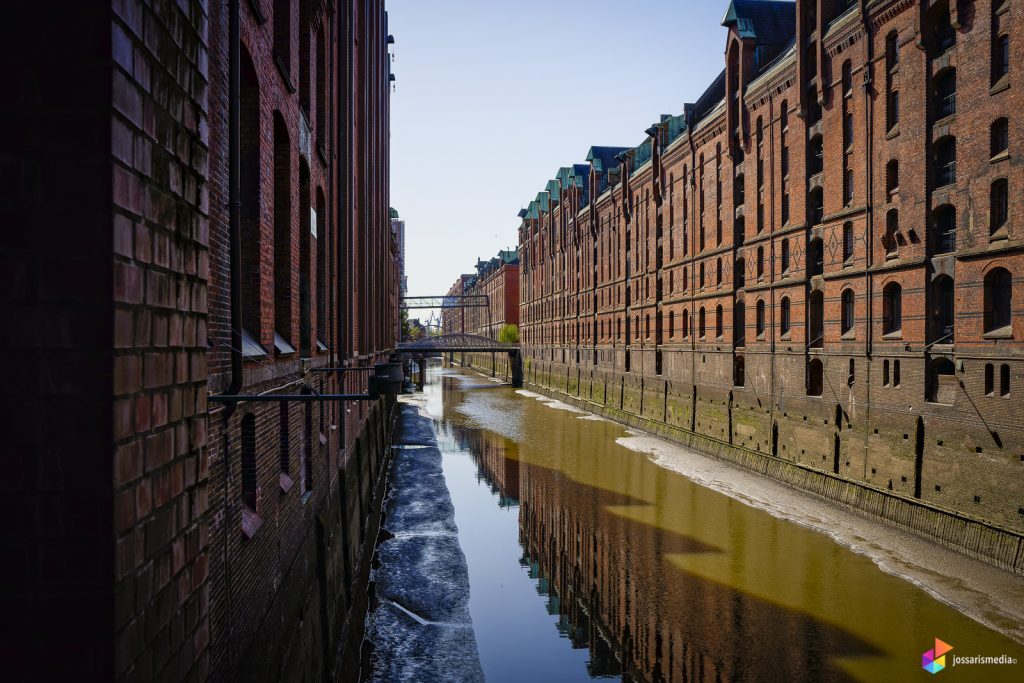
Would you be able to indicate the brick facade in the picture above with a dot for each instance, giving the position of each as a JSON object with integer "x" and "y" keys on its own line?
{"x": 815, "y": 260}
{"x": 160, "y": 535}
{"x": 498, "y": 280}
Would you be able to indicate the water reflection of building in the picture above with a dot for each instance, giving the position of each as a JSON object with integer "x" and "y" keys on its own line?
{"x": 609, "y": 578}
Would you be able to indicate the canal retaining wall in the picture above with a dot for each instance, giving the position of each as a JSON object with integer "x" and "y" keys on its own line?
{"x": 419, "y": 628}
{"x": 722, "y": 426}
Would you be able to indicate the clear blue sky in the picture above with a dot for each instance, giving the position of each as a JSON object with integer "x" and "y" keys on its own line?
{"x": 493, "y": 96}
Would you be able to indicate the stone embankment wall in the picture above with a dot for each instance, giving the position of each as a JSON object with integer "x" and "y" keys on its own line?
{"x": 725, "y": 432}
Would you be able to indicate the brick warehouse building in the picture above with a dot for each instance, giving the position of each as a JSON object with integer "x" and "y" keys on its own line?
{"x": 810, "y": 271}
{"x": 155, "y": 532}
{"x": 497, "y": 278}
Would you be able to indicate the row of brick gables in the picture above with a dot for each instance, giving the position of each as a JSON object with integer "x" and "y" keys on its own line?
{"x": 820, "y": 260}
{"x": 154, "y": 534}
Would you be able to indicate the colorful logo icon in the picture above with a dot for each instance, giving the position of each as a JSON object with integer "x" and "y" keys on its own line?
{"x": 934, "y": 661}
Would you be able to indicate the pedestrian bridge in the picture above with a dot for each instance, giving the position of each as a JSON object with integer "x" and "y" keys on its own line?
{"x": 461, "y": 342}
{"x": 456, "y": 343}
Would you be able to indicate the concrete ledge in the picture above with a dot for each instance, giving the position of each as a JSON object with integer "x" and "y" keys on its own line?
{"x": 990, "y": 543}
{"x": 420, "y": 628}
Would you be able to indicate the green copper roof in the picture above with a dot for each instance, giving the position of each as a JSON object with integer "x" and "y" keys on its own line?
{"x": 552, "y": 189}
{"x": 394, "y": 213}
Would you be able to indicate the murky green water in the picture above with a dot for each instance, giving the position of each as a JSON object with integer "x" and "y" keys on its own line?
{"x": 587, "y": 559}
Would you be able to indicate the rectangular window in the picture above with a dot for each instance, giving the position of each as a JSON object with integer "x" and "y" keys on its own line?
{"x": 893, "y": 109}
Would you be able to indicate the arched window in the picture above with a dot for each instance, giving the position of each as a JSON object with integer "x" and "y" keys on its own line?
{"x": 1004, "y": 380}
{"x": 945, "y": 161}
{"x": 945, "y": 93}
{"x": 1000, "y": 41}
{"x": 944, "y": 221}
{"x": 686, "y": 322}
{"x": 999, "y": 136}
{"x": 250, "y": 479}
{"x": 847, "y": 242}
{"x": 998, "y": 300}
{"x": 892, "y": 308}
{"x": 999, "y": 207}
{"x": 892, "y": 178}
{"x": 671, "y": 324}
{"x": 718, "y": 321}
{"x": 784, "y": 316}
{"x": 847, "y": 312}
{"x": 647, "y": 326}
{"x": 701, "y": 323}
{"x": 250, "y": 183}
{"x": 759, "y": 319}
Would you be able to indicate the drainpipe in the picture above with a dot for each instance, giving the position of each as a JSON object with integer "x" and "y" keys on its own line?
{"x": 234, "y": 196}
{"x": 869, "y": 193}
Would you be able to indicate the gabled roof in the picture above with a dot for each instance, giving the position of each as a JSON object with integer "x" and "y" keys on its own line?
{"x": 552, "y": 189}
{"x": 603, "y": 160}
{"x": 709, "y": 98}
{"x": 769, "y": 22}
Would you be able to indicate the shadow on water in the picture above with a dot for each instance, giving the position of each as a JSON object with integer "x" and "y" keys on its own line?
{"x": 659, "y": 579}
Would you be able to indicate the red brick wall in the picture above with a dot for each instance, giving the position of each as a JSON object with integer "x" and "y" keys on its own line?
{"x": 581, "y": 301}
{"x": 126, "y": 545}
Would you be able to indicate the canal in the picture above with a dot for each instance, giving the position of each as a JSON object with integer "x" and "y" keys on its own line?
{"x": 597, "y": 552}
